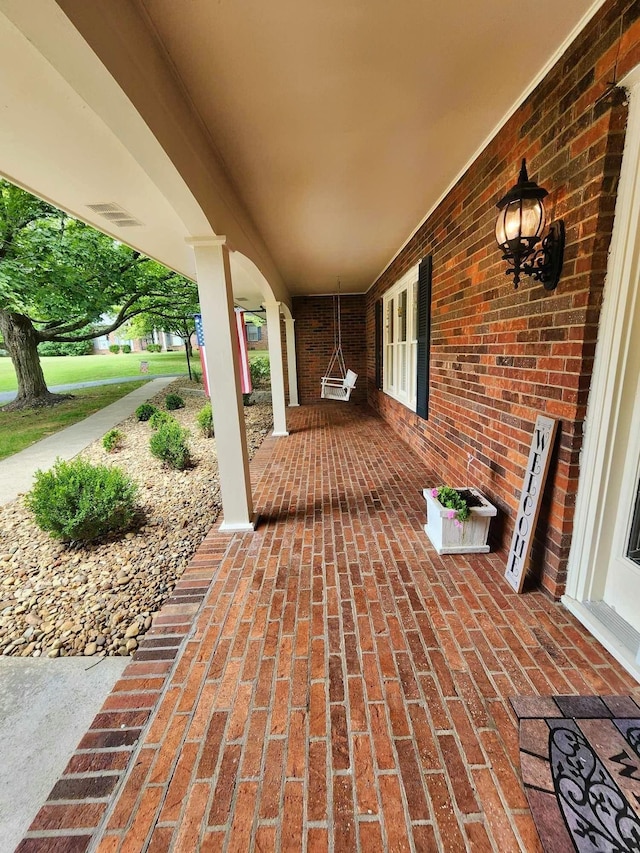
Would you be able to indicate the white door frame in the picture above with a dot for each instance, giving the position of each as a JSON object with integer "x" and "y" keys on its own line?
{"x": 606, "y": 417}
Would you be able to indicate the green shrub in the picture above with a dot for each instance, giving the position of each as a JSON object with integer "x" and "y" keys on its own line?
{"x": 259, "y": 369}
{"x": 145, "y": 410}
{"x": 173, "y": 401}
{"x": 246, "y": 400}
{"x": 114, "y": 348}
{"x": 204, "y": 419}
{"x": 196, "y": 375}
{"x": 169, "y": 443}
{"x": 160, "y": 418}
{"x": 126, "y": 348}
{"x": 112, "y": 440}
{"x": 79, "y": 501}
{"x": 56, "y": 348}
{"x": 154, "y": 348}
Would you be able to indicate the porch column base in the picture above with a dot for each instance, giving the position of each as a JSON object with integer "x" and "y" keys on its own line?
{"x": 239, "y": 526}
{"x": 279, "y": 434}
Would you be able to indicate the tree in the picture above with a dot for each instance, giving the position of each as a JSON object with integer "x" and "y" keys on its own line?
{"x": 176, "y": 319}
{"x": 60, "y": 279}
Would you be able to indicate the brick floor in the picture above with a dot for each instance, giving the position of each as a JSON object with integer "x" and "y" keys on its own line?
{"x": 327, "y": 683}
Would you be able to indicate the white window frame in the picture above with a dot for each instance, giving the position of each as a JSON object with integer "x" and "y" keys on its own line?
{"x": 396, "y": 353}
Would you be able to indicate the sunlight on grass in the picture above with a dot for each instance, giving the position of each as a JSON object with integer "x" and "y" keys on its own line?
{"x": 87, "y": 368}
{"x": 20, "y": 429}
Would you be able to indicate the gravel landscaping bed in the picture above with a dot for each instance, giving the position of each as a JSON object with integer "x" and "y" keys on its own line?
{"x": 58, "y": 600}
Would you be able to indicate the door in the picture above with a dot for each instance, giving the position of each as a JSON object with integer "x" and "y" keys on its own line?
{"x": 622, "y": 586}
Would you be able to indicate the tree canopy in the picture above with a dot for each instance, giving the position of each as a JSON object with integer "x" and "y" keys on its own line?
{"x": 61, "y": 280}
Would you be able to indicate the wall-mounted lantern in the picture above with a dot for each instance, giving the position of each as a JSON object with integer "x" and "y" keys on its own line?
{"x": 519, "y": 229}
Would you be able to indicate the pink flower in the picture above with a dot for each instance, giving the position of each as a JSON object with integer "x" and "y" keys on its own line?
{"x": 458, "y": 523}
{"x": 434, "y": 493}
{"x": 451, "y": 513}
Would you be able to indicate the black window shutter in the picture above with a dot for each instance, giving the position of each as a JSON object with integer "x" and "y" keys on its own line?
{"x": 259, "y": 333}
{"x": 424, "y": 337}
{"x": 378, "y": 317}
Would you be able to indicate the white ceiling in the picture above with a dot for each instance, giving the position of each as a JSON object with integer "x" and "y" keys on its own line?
{"x": 316, "y": 135}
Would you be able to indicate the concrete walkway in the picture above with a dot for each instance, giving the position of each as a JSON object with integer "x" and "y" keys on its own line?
{"x": 45, "y": 708}
{"x": 17, "y": 471}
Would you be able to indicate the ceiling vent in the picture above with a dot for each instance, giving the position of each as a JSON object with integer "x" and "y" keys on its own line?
{"x": 115, "y": 214}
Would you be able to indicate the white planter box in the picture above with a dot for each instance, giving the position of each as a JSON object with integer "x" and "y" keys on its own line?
{"x": 468, "y": 537}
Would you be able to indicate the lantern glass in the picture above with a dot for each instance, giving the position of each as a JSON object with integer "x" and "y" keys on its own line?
{"x": 521, "y": 218}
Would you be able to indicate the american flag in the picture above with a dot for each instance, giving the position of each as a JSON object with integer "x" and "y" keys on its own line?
{"x": 203, "y": 363}
{"x": 241, "y": 338}
{"x": 245, "y": 373}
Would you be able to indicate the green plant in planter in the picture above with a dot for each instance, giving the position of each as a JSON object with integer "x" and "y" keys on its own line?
{"x": 453, "y": 500}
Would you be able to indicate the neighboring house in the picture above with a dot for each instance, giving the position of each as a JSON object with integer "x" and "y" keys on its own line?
{"x": 257, "y": 334}
{"x": 168, "y": 342}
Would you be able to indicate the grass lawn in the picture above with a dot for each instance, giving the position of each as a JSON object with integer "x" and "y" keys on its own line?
{"x": 20, "y": 429}
{"x": 63, "y": 370}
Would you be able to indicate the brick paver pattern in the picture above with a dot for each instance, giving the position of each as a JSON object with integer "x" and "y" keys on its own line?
{"x": 327, "y": 683}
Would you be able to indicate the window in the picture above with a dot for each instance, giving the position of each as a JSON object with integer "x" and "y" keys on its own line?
{"x": 400, "y": 321}
{"x": 254, "y": 333}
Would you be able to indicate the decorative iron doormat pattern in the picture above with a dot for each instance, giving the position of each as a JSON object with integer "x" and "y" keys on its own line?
{"x": 580, "y": 760}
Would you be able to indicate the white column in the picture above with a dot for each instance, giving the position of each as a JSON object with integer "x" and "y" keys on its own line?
{"x": 221, "y": 355}
{"x": 277, "y": 373}
{"x": 291, "y": 360}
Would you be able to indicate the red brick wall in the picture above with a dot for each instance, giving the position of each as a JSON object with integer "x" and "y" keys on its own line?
{"x": 314, "y": 329}
{"x": 499, "y": 356}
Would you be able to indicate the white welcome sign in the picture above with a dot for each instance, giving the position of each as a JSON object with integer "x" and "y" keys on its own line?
{"x": 532, "y": 489}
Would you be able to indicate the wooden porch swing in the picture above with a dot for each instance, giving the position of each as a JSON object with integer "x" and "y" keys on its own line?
{"x": 338, "y": 385}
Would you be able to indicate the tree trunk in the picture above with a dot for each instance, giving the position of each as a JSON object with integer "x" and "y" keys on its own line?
{"x": 21, "y": 341}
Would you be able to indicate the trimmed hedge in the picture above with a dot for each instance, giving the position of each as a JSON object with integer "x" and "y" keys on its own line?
{"x": 174, "y": 401}
{"x": 145, "y": 411}
{"x": 169, "y": 443}
{"x": 77, "y": 501}
{"x": 204, "y": 419}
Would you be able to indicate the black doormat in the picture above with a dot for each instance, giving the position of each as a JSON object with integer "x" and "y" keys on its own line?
{"x": 580, "y": 760}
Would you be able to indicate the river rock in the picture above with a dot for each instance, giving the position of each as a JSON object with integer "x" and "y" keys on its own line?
{"x": 74, "y": 597}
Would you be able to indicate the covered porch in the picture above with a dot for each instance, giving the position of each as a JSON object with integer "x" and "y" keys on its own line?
{"x": 326, "y": 682}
